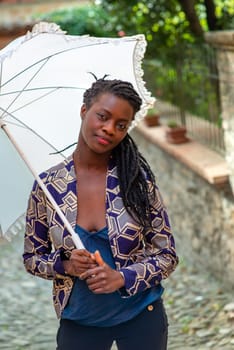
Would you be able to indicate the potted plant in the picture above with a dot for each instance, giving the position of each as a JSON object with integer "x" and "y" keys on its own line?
{"x": 152, "y": 117}
{"x": 176, "y": 133}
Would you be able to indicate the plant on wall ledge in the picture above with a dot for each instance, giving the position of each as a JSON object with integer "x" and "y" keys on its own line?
{"x": 152, "y": 118}
{"x": 176, "y": 133}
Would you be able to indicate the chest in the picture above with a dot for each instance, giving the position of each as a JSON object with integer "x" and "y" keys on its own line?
{"x": 91, "y": 185}
{"x": 91, "y": 198}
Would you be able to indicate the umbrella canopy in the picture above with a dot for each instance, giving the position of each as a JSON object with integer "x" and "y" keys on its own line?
{"x": 43, "y": 76}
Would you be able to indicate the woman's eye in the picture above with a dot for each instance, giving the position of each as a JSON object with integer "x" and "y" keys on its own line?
{"x": 122, "y": 126}
{"x": 101, "y": 116}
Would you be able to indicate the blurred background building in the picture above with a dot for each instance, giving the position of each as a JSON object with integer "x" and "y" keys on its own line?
{"x": 18, "y": 16}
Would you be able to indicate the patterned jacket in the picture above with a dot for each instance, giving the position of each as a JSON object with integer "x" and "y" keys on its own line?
{"x": 144, "y": 257}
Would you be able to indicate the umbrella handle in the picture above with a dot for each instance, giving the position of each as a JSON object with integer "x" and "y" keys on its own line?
{"x": 76, "y": 239}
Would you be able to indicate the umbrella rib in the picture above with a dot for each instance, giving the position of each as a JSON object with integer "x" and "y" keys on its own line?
{"x": 16, "y": 97}
{"x": 42, "y": 88}
{"x": 24, "y": 125}
{"x": 38, "y": 98}
{"x": 34, "y": 100}
{"x": 1, "y": 78}
{"x": 47, "y": 58}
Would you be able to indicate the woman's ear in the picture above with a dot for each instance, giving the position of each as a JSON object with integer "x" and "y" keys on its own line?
{"x": 83, "y": 111}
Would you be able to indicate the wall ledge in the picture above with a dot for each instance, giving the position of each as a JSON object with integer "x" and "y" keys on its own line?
{"x": 199, "y": 158}
{"x": 222, "y": 38}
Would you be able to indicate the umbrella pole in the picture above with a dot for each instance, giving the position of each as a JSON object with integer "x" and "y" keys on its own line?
{"x": 76, "y": 239}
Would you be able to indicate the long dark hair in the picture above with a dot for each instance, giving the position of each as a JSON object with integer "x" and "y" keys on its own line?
{"x": 132, "y": 167}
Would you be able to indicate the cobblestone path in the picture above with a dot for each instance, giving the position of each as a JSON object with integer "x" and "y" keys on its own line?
{"x": 200, "y": 311}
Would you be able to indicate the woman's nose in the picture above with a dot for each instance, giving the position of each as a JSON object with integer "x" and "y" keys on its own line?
{"x": 109, "y": 127}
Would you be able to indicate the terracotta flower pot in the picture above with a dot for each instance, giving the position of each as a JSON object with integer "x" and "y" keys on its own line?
{"x": 176, "y": 134}
{"x": 152, "y": 120}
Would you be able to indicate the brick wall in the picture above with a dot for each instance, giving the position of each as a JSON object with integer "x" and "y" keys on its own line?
{"x": 17, "y": 1}
{"x": 16, "y": 15}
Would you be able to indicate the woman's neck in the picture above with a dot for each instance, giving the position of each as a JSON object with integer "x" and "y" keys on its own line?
{"x": 90, "y": 160}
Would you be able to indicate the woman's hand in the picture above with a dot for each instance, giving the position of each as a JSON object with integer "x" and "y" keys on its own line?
{"x": 80, "y": 261}
{"x": 103, "y": 279}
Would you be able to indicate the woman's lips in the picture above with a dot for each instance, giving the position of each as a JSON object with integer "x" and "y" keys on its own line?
{"x": 103, "y": 141}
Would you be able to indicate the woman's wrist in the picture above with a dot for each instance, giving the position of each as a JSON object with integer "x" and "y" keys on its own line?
{"x": 121, "y": 280}
{"x": 66, "y": 264}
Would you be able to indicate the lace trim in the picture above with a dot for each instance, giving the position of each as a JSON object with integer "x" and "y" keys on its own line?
{"x": 17, "y": 227}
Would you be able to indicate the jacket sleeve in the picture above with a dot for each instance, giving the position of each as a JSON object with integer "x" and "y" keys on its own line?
{"x": 39, "y": 257}
{"x": 159, "y": 257}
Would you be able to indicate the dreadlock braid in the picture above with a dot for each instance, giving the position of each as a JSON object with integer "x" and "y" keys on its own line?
{"x": 132, "y": 168}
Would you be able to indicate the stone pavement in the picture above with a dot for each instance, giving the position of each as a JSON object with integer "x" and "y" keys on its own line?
{"x": 200, "y": 311}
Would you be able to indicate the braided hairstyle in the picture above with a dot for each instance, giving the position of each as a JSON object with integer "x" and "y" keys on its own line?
{"x": 132, "y": 167}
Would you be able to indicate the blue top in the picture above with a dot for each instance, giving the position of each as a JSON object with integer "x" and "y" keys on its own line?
{"x": 104, "y": 310}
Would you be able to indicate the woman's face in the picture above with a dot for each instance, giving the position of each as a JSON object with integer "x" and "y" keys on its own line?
{"x": 106, "y": 122}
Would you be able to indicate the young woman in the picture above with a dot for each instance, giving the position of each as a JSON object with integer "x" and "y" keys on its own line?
{"x": 108, "y": 192}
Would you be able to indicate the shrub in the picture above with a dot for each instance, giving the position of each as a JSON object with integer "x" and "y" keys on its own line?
{"x": 80, "y": 20}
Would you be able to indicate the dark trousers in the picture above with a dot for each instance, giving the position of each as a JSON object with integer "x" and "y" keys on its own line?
{"x": 147, "y": 331}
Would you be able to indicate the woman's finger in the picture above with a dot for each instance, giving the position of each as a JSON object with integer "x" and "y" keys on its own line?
{"x": 90, "y": 273}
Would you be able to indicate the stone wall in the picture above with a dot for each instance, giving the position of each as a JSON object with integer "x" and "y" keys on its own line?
{"x": 202, "y": 215}
{"x": 223, "y": 41}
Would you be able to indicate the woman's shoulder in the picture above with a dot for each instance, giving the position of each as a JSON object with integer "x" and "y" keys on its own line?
{"x": 58, "y": 170}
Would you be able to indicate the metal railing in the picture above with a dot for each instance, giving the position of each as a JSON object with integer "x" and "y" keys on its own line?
{"x": 188, "y": 92}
